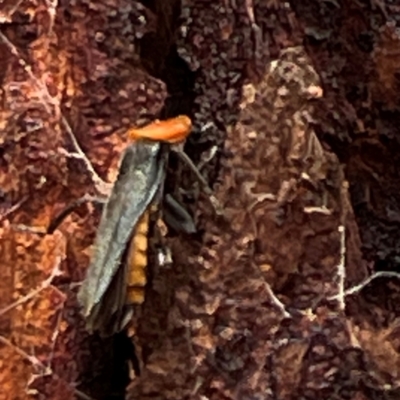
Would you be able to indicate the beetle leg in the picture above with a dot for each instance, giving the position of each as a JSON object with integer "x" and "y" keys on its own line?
{"x": 206, "y": 188}
{"x": 176, "y": 216}
{"x": 69, "y": 209}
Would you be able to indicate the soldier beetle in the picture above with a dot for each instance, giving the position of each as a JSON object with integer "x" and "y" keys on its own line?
{"x": 116, "y": 274}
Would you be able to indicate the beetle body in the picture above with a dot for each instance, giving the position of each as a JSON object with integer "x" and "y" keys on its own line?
{"x": 116, "y": 276}
{"x": 103, "y": 292}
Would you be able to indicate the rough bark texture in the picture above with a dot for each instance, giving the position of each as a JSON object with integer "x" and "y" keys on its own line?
{"x": 295, "y": 108}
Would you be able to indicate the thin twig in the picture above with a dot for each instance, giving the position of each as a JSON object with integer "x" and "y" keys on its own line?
{"x": 101, "y": 186}
{"x": 367, "y": 281}
{"x": 13, "y": 208}
{"x": 276, "y": 301}
{"x": 321, "y": 210}
{"x": 32, "y": 359}
{"x": 341, "y": 268}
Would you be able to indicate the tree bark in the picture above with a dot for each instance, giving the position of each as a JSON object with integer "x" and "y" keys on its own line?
{"x": 289, "y": 288}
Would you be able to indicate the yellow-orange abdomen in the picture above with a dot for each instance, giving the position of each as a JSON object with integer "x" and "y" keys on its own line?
{"x": 137, "y": 262}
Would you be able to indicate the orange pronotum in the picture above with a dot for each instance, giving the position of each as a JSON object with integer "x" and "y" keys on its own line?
{"x": 172, "y": 130}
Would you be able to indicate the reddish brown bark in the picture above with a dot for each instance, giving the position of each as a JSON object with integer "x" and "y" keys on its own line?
{"x": 295, "y": 107}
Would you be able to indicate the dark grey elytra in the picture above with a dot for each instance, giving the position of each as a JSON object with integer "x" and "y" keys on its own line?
{"x": 140, "y": 180}
{"x": 103, "y": 292}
